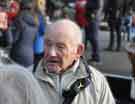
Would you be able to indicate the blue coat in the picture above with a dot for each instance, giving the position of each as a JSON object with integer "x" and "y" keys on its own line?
{"x": 39, "y": 40}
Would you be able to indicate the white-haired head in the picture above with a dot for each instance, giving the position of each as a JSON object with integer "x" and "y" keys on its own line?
{"x": 67, "y": 27}
{"x": 63, "y": 44}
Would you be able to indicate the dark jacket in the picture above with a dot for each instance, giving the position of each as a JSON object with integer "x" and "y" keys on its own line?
{"x": 92, "y": 6}
{"x": 23, "y": 39}
{"x": 114, "y": 12}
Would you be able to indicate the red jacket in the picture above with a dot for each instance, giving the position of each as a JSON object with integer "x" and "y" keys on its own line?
{"x": 80, "y": 13}
{"x": 12, "y": 13}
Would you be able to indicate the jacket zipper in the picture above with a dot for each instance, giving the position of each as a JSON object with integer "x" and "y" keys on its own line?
{"x": 59, "y": 87}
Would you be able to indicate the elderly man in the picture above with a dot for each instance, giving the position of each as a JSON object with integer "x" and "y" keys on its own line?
{"x": 64, "y": 77}
{"x": 18, "y": 86}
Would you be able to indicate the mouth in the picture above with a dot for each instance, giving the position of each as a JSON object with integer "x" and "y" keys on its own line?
{"x": 53, "y": 62}
{"x": 53, "y": 65}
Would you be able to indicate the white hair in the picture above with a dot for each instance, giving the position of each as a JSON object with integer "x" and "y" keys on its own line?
{"x": 67, "y": 26}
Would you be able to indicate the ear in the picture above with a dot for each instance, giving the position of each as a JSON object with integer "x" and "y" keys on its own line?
{"x": 80, "y": 50}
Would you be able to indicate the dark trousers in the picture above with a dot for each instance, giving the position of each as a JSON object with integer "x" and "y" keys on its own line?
{"x": 37, "y": 58}
{"x": 128, "y": 30}
{"x": 115, "y": 27}
{"x": 91, "y": 32}
{"x": 3, "y": 39}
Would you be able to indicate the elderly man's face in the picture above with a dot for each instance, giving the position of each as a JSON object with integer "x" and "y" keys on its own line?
{"x": 60, "y": 51}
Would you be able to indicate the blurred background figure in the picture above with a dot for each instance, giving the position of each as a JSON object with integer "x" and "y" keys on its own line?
{"x": 41, "y": 5}
{"x": 24, "y": 33}
{"x": 12, "y": 12}
{"x": 14, "y": 8}
{"x": 127, "y": 25}
{"x": 39, "y": 39}
{"x": 115, "y": 11}
{"x": 92, "y": 29}
{"x": 55, "y": 8}
{"x": 80, "y": 12}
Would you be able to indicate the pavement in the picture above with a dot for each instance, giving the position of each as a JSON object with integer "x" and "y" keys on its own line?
{"x": 112, "y": 62}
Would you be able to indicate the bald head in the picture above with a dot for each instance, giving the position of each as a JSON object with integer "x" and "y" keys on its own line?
{"x": 67, "y": 28}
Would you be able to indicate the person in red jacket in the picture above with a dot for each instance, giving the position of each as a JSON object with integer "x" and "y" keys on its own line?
{"x": 11, "y": 12}
{"x": 80, "y": 13}
{"x": 14, "y": 8}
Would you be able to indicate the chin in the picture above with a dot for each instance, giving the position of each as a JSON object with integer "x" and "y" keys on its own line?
{"x": 53, "y": 69}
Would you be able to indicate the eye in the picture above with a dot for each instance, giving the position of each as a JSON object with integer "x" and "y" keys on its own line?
{"x": 60, "y": 46}
{"x": 48, "y": 43}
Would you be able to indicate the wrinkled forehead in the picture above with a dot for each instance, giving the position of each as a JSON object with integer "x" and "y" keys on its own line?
{"x": 59, "y": 32}
{"x": 64, "y": 30}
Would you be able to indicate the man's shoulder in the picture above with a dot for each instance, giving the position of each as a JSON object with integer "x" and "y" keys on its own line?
{"x": 97, "y": 77}
{"x": 95, "y": 72}
{"x": 14, "y": 71}
{"x": 18, "y": 75}
{"x": 21, "y": 81}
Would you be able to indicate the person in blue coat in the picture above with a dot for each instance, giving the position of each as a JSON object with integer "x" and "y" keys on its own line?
{"x": 39, "y": 41}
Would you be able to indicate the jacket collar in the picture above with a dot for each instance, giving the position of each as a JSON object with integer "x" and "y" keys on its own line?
{"x": 77, "y": 71}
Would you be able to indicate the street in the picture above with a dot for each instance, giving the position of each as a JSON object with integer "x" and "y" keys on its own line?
{"x": 116, "y": 63}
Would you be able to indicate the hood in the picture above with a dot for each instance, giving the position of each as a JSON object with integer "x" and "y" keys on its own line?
{"x": 28, "y": 18}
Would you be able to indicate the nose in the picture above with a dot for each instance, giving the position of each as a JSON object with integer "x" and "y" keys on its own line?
{"x": 52, "y": 51}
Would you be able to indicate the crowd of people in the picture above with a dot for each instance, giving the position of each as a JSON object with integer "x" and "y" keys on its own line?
{"x": 25, "y": 31}
{"x": 55, "y": 50}
{"x": 27, "y": 20}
